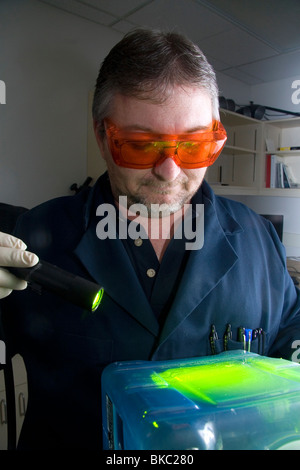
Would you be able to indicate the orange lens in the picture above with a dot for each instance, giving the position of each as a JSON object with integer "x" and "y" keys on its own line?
{"x": 141, "y": 150}
{"x": 144, "y": 153}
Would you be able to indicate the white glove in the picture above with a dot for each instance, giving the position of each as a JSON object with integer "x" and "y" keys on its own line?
{"x": 13, "y": 254}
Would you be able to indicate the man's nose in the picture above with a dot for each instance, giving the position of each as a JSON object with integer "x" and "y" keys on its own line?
{"x": 168, "y": 170}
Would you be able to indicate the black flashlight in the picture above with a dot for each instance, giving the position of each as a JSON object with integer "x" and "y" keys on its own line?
{"x": 74, "y": 289}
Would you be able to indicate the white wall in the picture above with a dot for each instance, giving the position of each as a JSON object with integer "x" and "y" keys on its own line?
{"x": 49, "y": 60}
{"x": 233, "y": 89}
{"x": 278, "y": 94}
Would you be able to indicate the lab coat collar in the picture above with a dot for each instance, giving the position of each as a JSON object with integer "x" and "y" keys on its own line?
{"x": 97, "y": 256}
{"x": 227, "y": 222}
{"x": 205, "y": 267}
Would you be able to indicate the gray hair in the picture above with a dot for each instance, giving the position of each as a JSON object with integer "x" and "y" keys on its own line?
{"x": 146, "y": 64}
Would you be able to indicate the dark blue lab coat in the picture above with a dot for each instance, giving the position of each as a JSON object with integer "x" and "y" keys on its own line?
{"x": 238, "y": 277}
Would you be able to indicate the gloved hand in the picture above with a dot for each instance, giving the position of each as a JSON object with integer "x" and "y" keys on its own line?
{"x": 12, "y": 253}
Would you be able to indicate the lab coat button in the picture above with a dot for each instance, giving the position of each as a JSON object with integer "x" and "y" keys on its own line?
{"x": 138, "y": 242}
{"x": 151, "y": 272}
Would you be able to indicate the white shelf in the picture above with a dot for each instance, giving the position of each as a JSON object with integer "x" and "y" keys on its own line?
{"x": 224, "y": 190}
{"x": 280, "y": 192}
{"x": 243, "y": 159}
{"x": 234, "y": 119}
{"x": 285, "y": 153}
{"x": 233, "y": 150}
{"x": 284, "y": 123}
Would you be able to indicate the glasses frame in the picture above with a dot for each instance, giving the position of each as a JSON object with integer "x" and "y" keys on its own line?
{"x": 216, "y": 136}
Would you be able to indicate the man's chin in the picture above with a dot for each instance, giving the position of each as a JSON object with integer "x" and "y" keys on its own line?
{"x": 163, "y": 206}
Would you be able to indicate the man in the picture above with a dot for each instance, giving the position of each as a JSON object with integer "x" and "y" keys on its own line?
{"x": 156, "y": 123}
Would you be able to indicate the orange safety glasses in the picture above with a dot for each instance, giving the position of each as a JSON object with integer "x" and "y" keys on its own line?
{"x": 141, "y": 150}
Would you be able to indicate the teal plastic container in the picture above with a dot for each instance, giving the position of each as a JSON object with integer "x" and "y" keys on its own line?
{"x": 233, "y": 401}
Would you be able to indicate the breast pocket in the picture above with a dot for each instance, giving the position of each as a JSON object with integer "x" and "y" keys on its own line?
{"x": 257, "y": 344}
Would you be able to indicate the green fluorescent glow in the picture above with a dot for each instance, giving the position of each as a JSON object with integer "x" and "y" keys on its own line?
{"x": 97, "y": 300}
{"x": 221, "y": 382}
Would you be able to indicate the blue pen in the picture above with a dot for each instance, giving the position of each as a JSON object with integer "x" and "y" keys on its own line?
{"x": 248, "y": 334}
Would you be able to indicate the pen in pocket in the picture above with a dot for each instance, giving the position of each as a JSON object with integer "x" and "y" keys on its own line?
{"x": 213, "y": 337}
{"x": 248, "y": 334}
{"x": 242, "y": 336}
{"x": 227, "y": 336}
{"x": 261, "y": 341}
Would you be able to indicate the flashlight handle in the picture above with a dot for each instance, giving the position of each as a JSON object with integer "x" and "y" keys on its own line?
{"x": 51, "y": 278}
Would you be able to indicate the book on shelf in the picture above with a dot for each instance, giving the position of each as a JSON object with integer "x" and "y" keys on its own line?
{"x": 279, "y": 174}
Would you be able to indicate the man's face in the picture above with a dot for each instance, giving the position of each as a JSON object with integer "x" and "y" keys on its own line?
{"x": 185, "y": 110}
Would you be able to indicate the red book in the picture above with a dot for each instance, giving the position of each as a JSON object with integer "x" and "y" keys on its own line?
{"x": 268, "y": 171}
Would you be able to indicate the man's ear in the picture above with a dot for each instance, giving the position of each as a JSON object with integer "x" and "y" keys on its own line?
{"x": 98, "y": 135}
